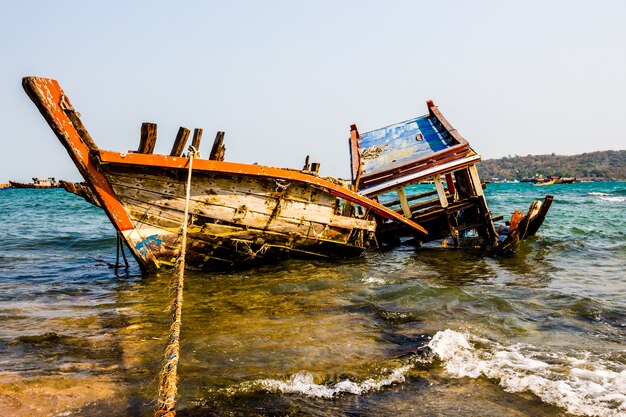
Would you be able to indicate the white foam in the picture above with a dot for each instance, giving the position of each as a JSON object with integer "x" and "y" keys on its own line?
{"x": 375, "y": 280}
{"x": 581, "y": 386}
{"x": 597, "y": 193}
{"x": 304, "y": 384}
{"x": 614, "y": 199}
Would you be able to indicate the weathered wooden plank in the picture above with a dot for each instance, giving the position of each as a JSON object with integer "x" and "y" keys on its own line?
{"x": 180, "y": 141}
{"x": 279, "y": 175}
{"x": 443, "y": 199}
{"x": 449, "y": 156}
{"x": 279, "y": 228}
{"x": 148, "y": 138}
{"x": 218, "y": 150}
{"x": 403, "y": 202}
{"x": 355, "y": 158}
{"x": 412, "y": 198}
{"x": 81, "y": 190}
{"x": 255, "y": 214}
{"x": 197, "y": 137}
{"x": 224, "y": 185}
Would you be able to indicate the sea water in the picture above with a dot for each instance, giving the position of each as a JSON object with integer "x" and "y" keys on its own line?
{"x": 399, "y": 332}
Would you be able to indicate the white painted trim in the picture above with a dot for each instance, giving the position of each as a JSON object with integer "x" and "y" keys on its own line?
{"x": 376, "y": 189}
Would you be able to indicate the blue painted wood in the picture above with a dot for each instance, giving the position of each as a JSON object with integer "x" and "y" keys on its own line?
{"x": 402, "y": 143}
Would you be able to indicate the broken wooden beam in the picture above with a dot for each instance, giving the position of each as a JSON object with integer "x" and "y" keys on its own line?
{"x": 81, "y": 190}
{"x": 403, "y": 202}
{"x": 148, "y": 138}
{"x": 197, "y": 137}
{"x": 180, "y": 141}
{"x": 307, "y": 164}
{"x": 218, "y": 150}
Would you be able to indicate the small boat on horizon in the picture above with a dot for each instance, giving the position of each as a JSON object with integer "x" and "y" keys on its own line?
{"x": 49, "y": 182}
{"x": 543, "y": 182}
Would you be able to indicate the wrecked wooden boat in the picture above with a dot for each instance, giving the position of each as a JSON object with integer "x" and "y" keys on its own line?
{"x": 239, "y": 213}
{"x": 425, "y": 170}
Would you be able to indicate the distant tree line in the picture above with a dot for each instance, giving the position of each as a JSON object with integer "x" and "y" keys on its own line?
{"x": 609, "y": 165}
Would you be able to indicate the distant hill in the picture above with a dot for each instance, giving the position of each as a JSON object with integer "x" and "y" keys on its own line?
{"x": 600, "y": 165}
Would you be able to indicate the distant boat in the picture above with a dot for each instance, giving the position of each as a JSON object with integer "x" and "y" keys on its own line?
{"x": 37, "y": 183}
{"x": 542, "y": 182}
{"x": 565, "y": 180}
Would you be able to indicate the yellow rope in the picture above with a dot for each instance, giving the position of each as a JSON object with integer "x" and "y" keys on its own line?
{"x": 168, "y": 389}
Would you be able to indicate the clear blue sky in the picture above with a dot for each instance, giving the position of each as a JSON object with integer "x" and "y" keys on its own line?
{"x": 287, "y": 78}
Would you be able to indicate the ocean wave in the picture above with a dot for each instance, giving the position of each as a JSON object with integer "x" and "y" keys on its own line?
{"x": 615, "y": 197}
{"x": 303, "y": 383}
{"x": 582, "y": 386}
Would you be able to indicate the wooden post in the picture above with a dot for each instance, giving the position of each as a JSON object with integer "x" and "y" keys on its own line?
{"x": 218, "y": 150}
{"x": 440, "y": 191}
{"x": 355, "y": 158}
{"x": 450, "y": 183}
{"x": 180, "y": 142}
{"x": 406, "y": 210}
{"x": 307, "y": 165}
{"x": 478, "y": 188}
{"x": 197, "y": 136}
{"x": 357, "y": 180}
{"x": 148, "y": 138}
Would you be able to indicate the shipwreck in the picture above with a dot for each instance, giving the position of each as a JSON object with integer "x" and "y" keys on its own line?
{"x": 388, "y": 162}
{"x": 241, "y": 213}
{"x": 238, "y": 212}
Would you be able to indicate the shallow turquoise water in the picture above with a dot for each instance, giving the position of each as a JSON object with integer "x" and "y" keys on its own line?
{"x": 401, "y": 332}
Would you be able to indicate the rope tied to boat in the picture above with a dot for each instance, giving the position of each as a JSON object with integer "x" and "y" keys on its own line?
{"x": 168, "y": 387}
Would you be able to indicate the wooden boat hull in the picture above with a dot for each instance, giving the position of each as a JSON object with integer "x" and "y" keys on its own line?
{"x": 234, "y": 219}
{"x": 545, "y": 183}
{"x": 239, "y": 212}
